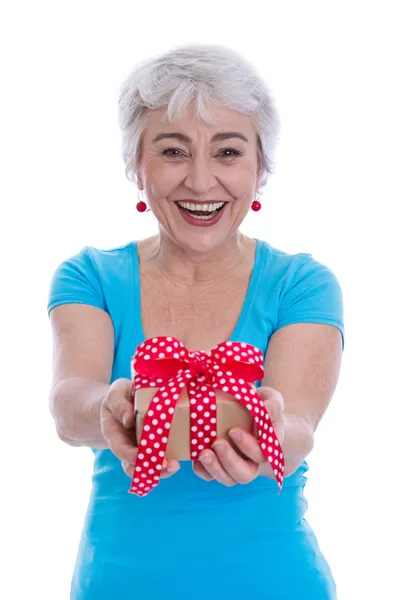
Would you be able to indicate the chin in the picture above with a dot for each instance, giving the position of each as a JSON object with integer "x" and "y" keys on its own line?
{"x": 203, "y": 241}
{"x": 201, "y": 237}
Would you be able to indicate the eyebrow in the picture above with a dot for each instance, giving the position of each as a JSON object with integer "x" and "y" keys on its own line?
{"x": 218, "y": 137}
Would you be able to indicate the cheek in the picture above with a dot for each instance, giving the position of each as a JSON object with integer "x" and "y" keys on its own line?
{"x": 161, "y": 178}
{"x": 240, "y": 179}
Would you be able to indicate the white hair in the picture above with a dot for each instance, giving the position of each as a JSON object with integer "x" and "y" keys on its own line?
{"x": 202, "y": 73}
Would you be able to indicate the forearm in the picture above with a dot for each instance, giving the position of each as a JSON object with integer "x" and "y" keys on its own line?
{"x": 296, "y": 446}
{"x": 75, "y": 406}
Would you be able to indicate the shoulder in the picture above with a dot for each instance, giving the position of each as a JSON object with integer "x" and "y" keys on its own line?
{"x": 105, "y": 262}
{"x": 91, "y": 276}
{"x": 302, "y": 288}
{"x": 279, "y": 266}
{"x": 293, "y": 267}
{"x": 98, "y": 255}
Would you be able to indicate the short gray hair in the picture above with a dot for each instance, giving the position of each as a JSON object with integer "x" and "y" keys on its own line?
{"x": 201, "y": 73}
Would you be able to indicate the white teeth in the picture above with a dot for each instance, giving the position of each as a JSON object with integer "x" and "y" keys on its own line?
{"x": 203, "y": 217}
{"x": 202, "y": 207}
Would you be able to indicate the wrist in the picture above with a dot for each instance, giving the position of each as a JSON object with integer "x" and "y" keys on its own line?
{"x": 298, "y": 442}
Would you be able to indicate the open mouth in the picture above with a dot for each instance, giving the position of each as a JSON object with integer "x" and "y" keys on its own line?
{"x": 202, "y": 212}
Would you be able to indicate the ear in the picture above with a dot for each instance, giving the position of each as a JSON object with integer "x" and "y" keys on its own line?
{"x": 258, "y": 180}
{"x": 139, "y": 181}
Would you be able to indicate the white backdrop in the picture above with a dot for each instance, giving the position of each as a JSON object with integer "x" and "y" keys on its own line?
{"x": 333, "y": 70}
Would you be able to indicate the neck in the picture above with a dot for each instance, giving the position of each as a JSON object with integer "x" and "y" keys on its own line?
{"x": 195, "y": 268}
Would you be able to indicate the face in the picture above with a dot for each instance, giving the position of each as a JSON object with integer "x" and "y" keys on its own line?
{"x": 212, "y": 169}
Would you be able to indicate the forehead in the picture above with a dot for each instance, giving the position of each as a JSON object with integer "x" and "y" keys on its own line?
{"x": 187, "y": 122}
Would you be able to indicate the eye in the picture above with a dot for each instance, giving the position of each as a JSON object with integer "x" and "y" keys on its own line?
{"x": 176, "y": 153}
{"x": 168, "y": 152}
{"x": 233, "y": 152}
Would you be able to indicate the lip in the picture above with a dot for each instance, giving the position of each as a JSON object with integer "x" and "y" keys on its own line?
{"x": 200, "y": 201}
{"x": 198, "y": 222}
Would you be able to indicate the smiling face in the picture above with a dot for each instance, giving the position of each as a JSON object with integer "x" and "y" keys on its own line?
{"x": 202, "y": 166}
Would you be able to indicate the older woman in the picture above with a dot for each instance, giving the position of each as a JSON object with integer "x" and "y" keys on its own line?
{"x": 199, "y": 130}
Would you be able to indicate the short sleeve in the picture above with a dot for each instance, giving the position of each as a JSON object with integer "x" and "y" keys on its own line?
{"x": 76, "y": 281}
{"x": 312, "y": 294}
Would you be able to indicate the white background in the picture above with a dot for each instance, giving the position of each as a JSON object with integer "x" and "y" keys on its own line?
{"x": 333, "y": 70}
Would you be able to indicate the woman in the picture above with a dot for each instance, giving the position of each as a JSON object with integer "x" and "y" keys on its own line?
{"x": 199, "y": 130}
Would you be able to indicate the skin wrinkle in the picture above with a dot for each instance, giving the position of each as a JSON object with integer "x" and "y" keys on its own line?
{"x": 197, "y": 277}
{"x": 183, "y": 253}
{"x": 204, "y": 284}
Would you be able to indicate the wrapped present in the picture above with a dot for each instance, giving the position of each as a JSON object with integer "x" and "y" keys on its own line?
{"x": 177, "y": 395}
{"x": 230, "y": 414}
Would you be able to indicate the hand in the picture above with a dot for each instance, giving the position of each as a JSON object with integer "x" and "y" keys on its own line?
{"x": 117, "y": 421}
{"x": 226, "y": 465}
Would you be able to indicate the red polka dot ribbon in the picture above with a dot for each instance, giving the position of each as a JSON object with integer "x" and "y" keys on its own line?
{"x": 165, "y": 363}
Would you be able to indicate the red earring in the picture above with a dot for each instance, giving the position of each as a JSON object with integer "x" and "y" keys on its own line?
{"x": 141, "y": 206}
{"x": 256, "y": 205}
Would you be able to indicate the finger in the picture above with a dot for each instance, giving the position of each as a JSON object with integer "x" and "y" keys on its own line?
{"x": 239, "y": 469}
{"x": 169, "y": 468}
{"x": 273, "y": 401}
{"x": 275, "y": 411}
{"x": 277, "y": 418}
{"x": 118, "y": 438}
{"x": 128, "y": 468}
{"x": 215, "y": 469}
{"x": 268, "y": 392}
{"x": 119, "y": 402}
{"x": 201, "y": 471}
{"x": 275, "y": 406}
{"x": 127, "y": 417}
{"x": 248, "y": 445}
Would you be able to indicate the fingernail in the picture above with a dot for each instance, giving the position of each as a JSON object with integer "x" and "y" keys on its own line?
{"x": 125, "y": 418}
{"x": 172, "y": 469}
{"x": 206, "y": 459}
{"x": 236, "y": 435}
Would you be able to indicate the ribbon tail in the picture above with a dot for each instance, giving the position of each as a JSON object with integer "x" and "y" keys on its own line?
{"x": 154, "y": 438}
{"x": 267, "y": 438}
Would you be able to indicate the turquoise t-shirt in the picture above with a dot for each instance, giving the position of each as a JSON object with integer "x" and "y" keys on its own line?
{"x": 190, "y": 539}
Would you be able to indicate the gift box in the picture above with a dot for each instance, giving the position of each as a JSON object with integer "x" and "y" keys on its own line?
{"x": 184, "y": 401}
{"x": 230, "y": 414}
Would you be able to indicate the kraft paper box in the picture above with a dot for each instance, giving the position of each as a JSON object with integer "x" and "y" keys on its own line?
{"x": 230, "y": 413}
{"x": 184, "y": 400}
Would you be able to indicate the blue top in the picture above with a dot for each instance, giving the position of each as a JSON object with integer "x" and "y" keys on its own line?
{"x": 191, "y": 539}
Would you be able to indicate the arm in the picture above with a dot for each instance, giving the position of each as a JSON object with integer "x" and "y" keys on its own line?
{"x": 303, "y": 363}
{"x": 83, "y": 340}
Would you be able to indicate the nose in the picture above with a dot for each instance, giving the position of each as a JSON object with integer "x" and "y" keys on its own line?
{"x": 200, "y": 178}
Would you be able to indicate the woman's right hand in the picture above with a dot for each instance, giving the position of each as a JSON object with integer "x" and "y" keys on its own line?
{"x": 117, "y": 422}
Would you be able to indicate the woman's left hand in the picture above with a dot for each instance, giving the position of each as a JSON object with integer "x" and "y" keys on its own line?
{"x": 226, "y": 465}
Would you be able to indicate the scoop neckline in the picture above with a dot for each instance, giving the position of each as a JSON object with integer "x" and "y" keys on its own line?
{"x": 244, "y": 313}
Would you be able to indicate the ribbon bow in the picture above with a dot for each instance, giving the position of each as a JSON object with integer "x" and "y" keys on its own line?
{"x": 164, "y": 362}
